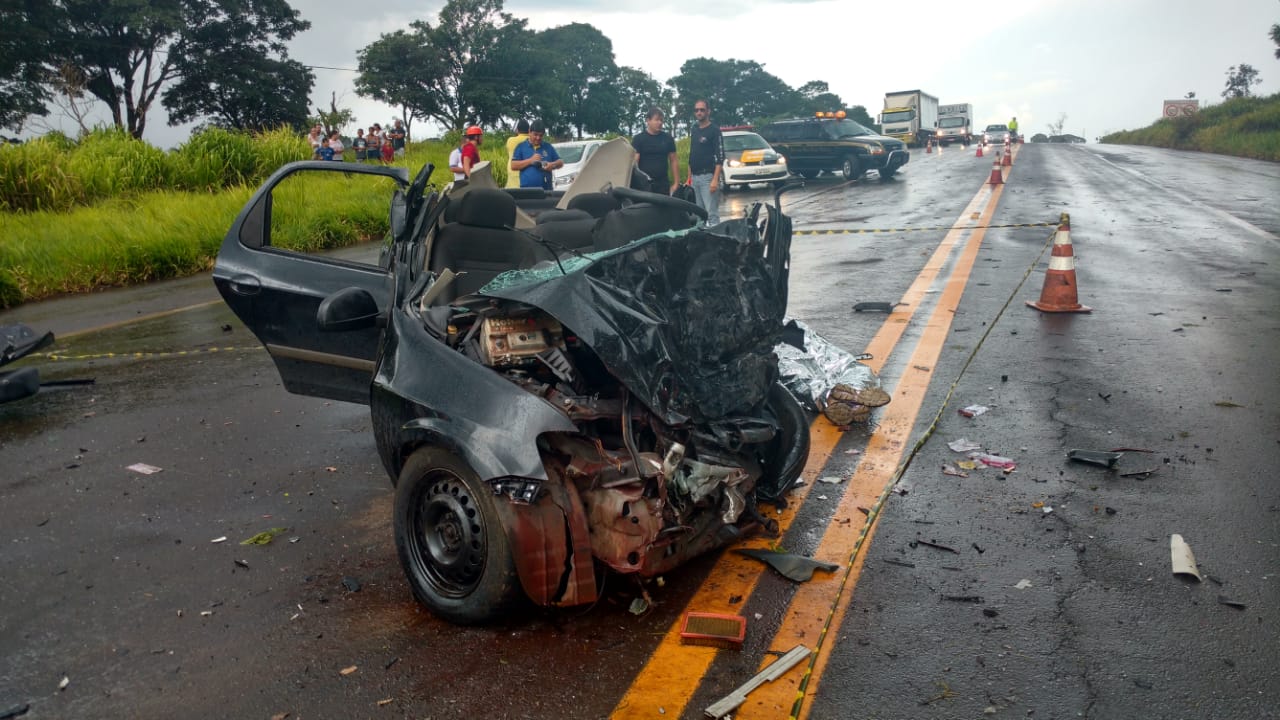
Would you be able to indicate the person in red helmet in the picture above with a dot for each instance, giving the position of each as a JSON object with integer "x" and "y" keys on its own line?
{"x": 471, "y": 150}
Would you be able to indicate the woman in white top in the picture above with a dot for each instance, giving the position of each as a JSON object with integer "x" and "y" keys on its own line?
{"x": 335, "y": 142}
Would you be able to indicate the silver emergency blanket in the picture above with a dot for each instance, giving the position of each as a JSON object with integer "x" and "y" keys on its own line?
{"x": 811, "y": 373}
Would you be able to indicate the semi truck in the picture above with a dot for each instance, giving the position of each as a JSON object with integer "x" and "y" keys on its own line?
{"x": 955, "y": 123}
{"x": 910, "y": 116}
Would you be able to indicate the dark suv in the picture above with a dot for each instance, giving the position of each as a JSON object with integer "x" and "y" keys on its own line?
{"x": 829, "y": 143}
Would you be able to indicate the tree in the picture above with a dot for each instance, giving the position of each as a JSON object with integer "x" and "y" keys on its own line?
{"x": 740, "y": 91}
{"x": 229, "y": 70}
{"x": 637, "y": 92}
{"x": 465, "y": 68}
{"x": 1240, "y": 81}
{"x": 25, "y": 48}
{"x": 1055, "y": 128}
{"x": 583, "y": 69}
{"x": 859, "y": 114}
{"x": 128, "y": 50}
{"x": 817, "y": 96}
{"x": 1275, "y": 38}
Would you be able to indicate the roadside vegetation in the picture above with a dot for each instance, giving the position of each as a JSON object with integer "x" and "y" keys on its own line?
{"x": 1243, "y": 126}
{"x": 111, "y": 211}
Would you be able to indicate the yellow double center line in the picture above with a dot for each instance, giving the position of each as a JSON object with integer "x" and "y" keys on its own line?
{"x": 674, "y": 671}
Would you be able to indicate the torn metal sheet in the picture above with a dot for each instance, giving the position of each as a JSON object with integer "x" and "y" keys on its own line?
{"x": 793, "y": 567}
{"x": 776, "y": 669}
{"x": 1184, "y": 562}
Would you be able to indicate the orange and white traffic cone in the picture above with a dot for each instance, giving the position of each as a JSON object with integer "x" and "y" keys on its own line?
{"x": 1008, "y": 155}
{"x": 1059, "y": 293}
{"x": 996, "y": 177}
{"x": 928, "y": 145}
{"x": 979, "y": 153}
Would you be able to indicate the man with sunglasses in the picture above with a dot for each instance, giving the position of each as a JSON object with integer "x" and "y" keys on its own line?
{"x": 706, "y": 158}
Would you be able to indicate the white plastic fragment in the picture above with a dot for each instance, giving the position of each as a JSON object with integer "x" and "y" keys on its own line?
{"x": 963, "y": 445}
{"x": 65, "y": 682}
{"x": 144, "y": 469}
{"x": 1184, "y": 562}
{"x": 831, "y": 479}
{"x": 1023, "y": 584}
{"x": 219, "y": 539}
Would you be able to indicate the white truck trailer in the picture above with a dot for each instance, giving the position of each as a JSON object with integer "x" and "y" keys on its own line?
{"x": 955, "y": 124}
{"x": 910, "y": 116}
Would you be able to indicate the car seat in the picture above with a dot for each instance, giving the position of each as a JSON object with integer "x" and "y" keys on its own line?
{"x": 482, "y": 242}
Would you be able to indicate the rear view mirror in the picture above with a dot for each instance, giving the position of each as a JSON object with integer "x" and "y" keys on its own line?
{"x": 348, "y": 309}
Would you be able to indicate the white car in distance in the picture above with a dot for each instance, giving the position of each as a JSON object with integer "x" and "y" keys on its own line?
{"x": 748, "y": 158}
{"x": 575, "y": 154}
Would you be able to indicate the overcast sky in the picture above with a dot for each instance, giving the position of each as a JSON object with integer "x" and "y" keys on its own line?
{"x": 1106, "y": 64}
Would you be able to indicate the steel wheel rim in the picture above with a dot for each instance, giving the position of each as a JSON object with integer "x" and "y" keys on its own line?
{"x": 448, "y": 537}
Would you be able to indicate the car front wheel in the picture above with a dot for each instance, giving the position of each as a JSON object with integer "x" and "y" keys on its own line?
{"x": 451, "y": 542}
{"x": 887, "y": 172}
{"x": 851, "y": 169}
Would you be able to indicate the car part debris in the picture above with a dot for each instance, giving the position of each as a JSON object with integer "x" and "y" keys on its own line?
{"x": 1023, "y": 584}
{"x": 1184, "y": 562}
{"x": 1224, "y": 600}
{"x": 973, "y": 411}
{"x": 875, "y": 307}
{"x": 776, "y": 669}
{"x": 15, "y": 711}
{"x": 846, "y": 404}
{"x": 714, "y": 629}
{"x": 995, "y": 461}
{"x": 144, "y": 469}
{"x": 792, "y": 567}
{"x": 1095, "y": 457}
{"x": 954, "y": 471}
{"x": 934, "y": 545}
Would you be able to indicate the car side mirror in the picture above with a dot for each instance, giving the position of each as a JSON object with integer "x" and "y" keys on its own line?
{"x": 351, "y": 308}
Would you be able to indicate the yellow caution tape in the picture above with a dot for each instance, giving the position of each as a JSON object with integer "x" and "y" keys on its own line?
{"x": 139, "y": 355}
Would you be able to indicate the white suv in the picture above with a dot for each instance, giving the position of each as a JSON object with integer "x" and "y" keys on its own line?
{"x": 748, "y": 158}
{"x": 574, "y": 154}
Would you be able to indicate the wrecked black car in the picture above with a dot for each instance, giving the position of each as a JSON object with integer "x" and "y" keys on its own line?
{"x": 18, "y": 341}
{"x": 562, "y": 384}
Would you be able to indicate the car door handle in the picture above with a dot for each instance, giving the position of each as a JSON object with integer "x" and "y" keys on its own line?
{"x": 246, "y": 285}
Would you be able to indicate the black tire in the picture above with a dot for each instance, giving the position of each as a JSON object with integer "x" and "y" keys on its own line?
{"x": 887, "y": 173}
{"x": 451, "y": 541}
{"x": 808, "y": 174}
{"x": 851, "y": 168}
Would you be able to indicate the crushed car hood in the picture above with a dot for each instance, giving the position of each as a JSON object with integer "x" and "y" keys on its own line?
{"x": 686, "y": 320}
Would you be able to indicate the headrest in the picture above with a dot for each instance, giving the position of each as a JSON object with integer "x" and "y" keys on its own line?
{"x": 487, "y": 207}
{"x": 597, "y": 204}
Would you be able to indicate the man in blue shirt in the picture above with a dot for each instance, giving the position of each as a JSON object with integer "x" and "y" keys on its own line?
{"x": 535, "y": 159}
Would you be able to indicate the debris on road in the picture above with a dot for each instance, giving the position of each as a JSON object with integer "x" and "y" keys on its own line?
{"x": 720, "y": 630}
{"x": 995, "y": 461}
{"x": 1095, "y": 457}
{"x": 973, "y": 410}
{"x": 1184, "y": 562}
{"x": 963, "y": 445}
{"x": 265, "y": 537}
{"x": 963, "y": 598}
{"x": 1224, "y": 600}
{"x": 775, "y": 670}
{"x": 831, "y": 479}
{"x": 15, "y": 711}
{"x": 934, "y": 545}
{"x": 351, "y": 583}
{"x": 347, "y": 670}
{"x": 387, "y": 701}
{"x": 1144, "y": 473}
{"x": 793, "y": 567}
{"x": 1023, "y": 584}
{"x": 144, "y": 469}
{"x": 875, "y": 307}
{"x": 954, "y": 471}
{"x": 242, "y": 563}
{"x": 219, "y": 539}
{"x": 900, "y": 563}
{"x": 64, "y": 683}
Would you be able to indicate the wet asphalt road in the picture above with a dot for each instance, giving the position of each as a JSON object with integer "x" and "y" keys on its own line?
{"x": 110, "y": 573}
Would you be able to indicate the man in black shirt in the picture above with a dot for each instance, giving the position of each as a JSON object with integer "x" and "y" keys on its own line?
{"x": 706, "y": 156}
{"x": 655, "y": 153}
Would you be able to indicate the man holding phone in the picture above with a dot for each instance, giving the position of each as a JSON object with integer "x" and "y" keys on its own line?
{"x": 534, "y": 159}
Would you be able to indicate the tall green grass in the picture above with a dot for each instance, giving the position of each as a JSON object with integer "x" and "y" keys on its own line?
{"x": 109, "y": 210}
{"x": 1244, "y": 127}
